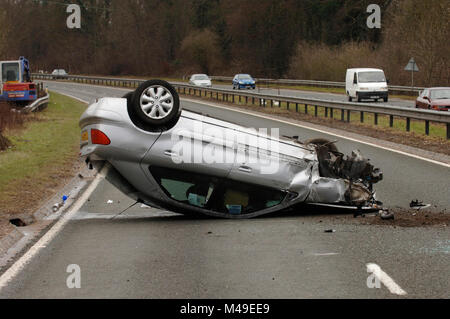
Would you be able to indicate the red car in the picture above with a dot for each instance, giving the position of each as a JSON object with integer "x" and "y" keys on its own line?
{"x": 434, "y": 99}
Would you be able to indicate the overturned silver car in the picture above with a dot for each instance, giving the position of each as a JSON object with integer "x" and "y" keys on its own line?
{"x": 191, "y": 163}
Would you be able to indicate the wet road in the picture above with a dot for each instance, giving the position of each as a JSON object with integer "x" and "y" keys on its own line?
{"x": 149, "y": 253}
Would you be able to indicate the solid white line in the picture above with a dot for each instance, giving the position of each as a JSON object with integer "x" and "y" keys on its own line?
{"x": 20, "y": 264}
{"x": 385, "y": 279}
{"x": 73, "y": 97}
{"x": 324, "y": 132}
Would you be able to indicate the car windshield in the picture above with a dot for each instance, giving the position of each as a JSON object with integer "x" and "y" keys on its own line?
{"x": 440, "y": 94}
{"x": 201, "y": 77}
{"x": 244, "y": 77}
{"x": 10, "y": 72}
{"x": 371, "y": 77}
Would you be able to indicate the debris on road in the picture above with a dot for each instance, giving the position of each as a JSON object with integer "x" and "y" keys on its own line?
{"x": 418, "y": 205}
{"x": 330, "y": 231}
{"x": 57, "y": 206}
{"x": 386, "y": 215}
{"x": 110, "y": 202}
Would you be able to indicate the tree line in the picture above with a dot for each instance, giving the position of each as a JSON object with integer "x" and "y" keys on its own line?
{"x": 307, "y": 39}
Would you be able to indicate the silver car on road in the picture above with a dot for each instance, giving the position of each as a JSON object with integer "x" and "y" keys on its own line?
{"x": 191, "y": 163}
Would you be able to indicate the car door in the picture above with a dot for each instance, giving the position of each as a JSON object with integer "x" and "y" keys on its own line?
{"x": 422, "y": 100}
{"x": 193, "y": 145}
{"x": 271, "y": 163}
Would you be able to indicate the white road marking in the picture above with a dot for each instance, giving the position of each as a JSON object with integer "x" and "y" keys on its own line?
{"x": 326, "y": 254}
{"x": 385, "y": 279}
{"x": 20, "y": 264}
{"x": 324, "y": 132}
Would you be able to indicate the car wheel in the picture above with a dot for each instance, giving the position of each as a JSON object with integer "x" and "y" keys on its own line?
{"x": 154, "y": 105}
{"x": 331, "y": 147}
{"x": 350, "y": 99}
{"x": 386, "y": 99}
{"x": 358, "y": 97}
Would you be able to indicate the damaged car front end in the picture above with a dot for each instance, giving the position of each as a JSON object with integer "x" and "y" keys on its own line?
{"x": 191, "y": 163}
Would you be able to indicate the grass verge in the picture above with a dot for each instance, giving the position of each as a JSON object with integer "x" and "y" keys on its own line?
{"x": 43, "y": 156}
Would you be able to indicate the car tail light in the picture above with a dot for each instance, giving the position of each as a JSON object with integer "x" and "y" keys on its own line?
{"x": 98, "y": 137}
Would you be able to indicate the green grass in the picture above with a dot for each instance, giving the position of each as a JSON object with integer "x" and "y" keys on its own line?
{"x": 43, "y": 151}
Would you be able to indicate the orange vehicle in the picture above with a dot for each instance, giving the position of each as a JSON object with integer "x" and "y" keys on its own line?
{"x": 15, "y": 81}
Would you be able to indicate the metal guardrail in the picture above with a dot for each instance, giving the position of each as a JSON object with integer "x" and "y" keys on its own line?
{"x": 36, "y": 104}
{"x": 264, "y": 100}
{"x": 395, "y": 88}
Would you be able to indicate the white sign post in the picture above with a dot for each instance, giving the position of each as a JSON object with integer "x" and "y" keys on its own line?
{"x": 412, "y": 66}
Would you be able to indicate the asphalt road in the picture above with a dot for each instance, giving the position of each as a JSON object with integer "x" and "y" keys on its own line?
{"x": 148, "y": 253}
{"x": 319, "y": 95}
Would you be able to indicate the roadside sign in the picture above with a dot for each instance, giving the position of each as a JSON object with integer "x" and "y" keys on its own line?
{"x": 412, "y": 66}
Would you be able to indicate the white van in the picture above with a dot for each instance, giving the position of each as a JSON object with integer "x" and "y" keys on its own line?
{"x": 366, "y": 84}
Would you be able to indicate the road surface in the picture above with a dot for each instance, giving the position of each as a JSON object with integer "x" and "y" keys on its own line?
{"x": 149, "y": 253}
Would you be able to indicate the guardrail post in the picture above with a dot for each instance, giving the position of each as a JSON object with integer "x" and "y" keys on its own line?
{"x": 253, "y": 101}
{"x": 331, "y": 112}
{"x": 408, "y": 124}
{"x": 326, "y": 111}
{"x": 306, "y": 108}
{"x": 427, "y": 127}
{"x": 375, "y": 118}
{"x": 287, "y": 105}
{"x": 448, "y": 131}
{"x": 232, "y": 98}
{"x": 342, "y": 115}
{"x": 246, "y": 100}
{"x": 316, "y": 111}
{"x": 296, "y": 107}
{"x": 348, "y": 116}
{"x": 391, "y": 121}
{"x": 362, "y": 117}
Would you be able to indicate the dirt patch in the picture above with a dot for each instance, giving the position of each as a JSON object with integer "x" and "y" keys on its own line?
{"x": 5, "y": 228}
{"x": 433, "y": 144}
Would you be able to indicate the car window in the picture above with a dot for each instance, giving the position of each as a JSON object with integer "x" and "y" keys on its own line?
{"x": 440, "y": 94}
{"x": 371, "y": 77}
{"x": 215, "y": 194}
{"x": 239, "y": 198}
{"x": 186, "y": 187}
{"x": 10, "y": 71}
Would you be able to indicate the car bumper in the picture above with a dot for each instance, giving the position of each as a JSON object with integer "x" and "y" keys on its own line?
{"x": 373, "y": 95}
{"x": 246, "y": 86}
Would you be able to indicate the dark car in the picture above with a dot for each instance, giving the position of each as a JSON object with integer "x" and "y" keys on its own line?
{"x": 434, "y": 99}
{"x": 243, "y": 81}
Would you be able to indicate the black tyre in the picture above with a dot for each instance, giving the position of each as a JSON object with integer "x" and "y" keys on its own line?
{"x": 324, "y": 142}
{"x": 155, "y": 104}
{"x": 386, "y": 99}
{"x": 350, "y": 99}
{"x": 358, "y": 97}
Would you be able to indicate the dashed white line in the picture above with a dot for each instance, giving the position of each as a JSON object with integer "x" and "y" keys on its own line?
{"x": 384, "y": 278}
